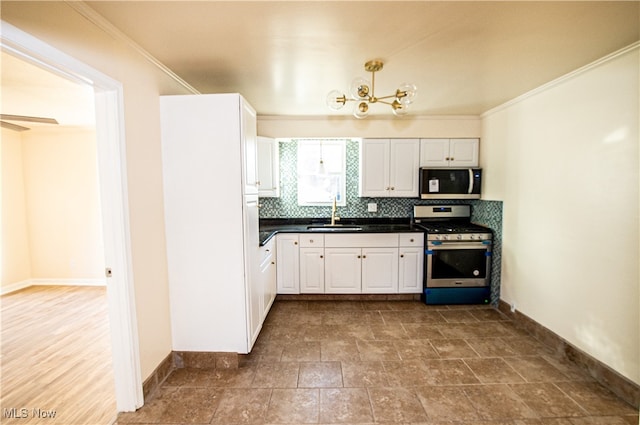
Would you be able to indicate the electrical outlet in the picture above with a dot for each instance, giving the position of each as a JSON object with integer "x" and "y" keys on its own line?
{"x": 513, "y": 307}
{"x": 372, "y": 207}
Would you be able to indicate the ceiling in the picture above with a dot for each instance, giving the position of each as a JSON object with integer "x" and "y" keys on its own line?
{"x": 466, "y": 57}
{"x": 284, "y": 57}
{"x": 32, "y": 91}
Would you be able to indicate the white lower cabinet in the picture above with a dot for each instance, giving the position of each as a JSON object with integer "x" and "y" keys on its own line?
{"x": 288, "y": 259}
{"x": 411, "y": 263}
{"x": 343, "y": 270}
{"x": 410, "y": 270}
{"x": 367, "y": 263}
{"x": 379, "y": 270}
{"x": 312, "y": 270}
{"x": 268, "y": 276}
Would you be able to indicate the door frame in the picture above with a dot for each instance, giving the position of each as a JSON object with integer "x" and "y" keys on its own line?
{"x": 111, "y": 144}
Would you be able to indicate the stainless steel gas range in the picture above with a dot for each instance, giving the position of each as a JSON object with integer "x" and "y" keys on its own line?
{"x": 457, "y": 255}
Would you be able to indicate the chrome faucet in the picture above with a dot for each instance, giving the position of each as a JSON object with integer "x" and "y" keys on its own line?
{"x": 334, "y": 217}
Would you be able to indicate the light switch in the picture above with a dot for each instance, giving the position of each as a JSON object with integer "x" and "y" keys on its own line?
{"x": 372, "y": 207}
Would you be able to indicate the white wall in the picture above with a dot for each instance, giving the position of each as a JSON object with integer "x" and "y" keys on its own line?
{"x": 59, "y": 25}
{"x": 565, "y": 162}
{"x": 63, "y": 204}
{"x": 16, "y": 260}
{"x": 374, "y": 126}
{"x": 51, "y": 228}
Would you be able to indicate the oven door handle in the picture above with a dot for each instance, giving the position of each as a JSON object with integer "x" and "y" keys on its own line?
{"x": 457, "y": 245}
{"x": 471, "y": 181}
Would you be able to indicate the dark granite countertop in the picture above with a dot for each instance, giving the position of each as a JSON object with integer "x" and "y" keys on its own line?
{"x": 270, "y": 227}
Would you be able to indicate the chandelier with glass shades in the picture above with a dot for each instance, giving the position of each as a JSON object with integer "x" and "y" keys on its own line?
{"x": 362, "y": 92}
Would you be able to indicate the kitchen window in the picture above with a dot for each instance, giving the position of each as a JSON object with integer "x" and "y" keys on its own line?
{"x": 321, "y": 172}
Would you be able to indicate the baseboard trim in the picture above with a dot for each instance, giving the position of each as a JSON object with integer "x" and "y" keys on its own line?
{"x": 13, "y": 287}
{"x": 17, "y": 286}
{"x": 205, "y": 360}
{"x": 68, "y": 282}
{"x": 618, "y": 384}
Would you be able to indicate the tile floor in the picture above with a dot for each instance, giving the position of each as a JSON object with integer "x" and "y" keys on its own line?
{"x": 372, "y": 362}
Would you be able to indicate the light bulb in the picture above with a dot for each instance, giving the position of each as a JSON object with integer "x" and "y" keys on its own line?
{"x": 336, "y": 100}
{"x": 360, "y": 88}
{"x": 399, "y": 109}
{"x": 407, "y": 93}
{"x": 361, "y": 110}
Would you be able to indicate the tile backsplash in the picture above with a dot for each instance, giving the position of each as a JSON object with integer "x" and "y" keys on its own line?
{"x": 487, "y": 213}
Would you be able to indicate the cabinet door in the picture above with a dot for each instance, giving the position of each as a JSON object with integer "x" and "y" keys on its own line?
{"x": 250, "y": 148}
{"x": 463, "y": 152}
{"x": 342, "y": 270}
{"x": 403, "y": 167}
{"x": 434, "y": 152}
{"x": 311, "y": 270}
{"x": 374, "y": 167}
{"x": 410, "y": 270}
{"x": 379, "y": 270}
{"x": 288, "y": 265}
{"x": 268, "y": 167}
{"x": 254, "y": 283}
{"x": 268, "y": 277}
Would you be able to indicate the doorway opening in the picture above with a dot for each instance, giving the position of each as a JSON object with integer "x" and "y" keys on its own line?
{"x": 110, "y": 152}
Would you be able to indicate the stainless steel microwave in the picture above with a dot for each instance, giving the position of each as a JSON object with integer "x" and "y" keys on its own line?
{"x": 450, "y": 183}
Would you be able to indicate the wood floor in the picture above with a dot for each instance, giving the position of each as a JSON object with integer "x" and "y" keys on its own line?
{"x": 56, "y": 357}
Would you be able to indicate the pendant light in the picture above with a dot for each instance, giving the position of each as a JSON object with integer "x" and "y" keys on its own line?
{"x": 362, "y": 93}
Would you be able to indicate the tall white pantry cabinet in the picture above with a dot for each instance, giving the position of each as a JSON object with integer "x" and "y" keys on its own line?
{"x": 211, "y": 212}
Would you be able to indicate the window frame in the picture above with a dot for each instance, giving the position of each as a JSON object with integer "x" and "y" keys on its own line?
{"x": 303, "y": 173}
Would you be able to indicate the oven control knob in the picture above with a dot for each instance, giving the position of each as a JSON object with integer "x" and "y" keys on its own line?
{"x": 459, "y": 237}
{"x": 472, "y": 237}
{"x": 445, "y": 237}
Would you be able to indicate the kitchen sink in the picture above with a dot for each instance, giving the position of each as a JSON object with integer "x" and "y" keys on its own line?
{"x": 334, "y": 228}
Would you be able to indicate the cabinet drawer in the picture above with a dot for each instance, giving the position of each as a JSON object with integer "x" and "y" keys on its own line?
{"x": 412, "y": 239}
{"x": 311, "y": 241}
{"x": 362, "y": 240}
{"x": 266, "y": 251}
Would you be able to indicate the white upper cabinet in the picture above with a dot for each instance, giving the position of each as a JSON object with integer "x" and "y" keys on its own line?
{"x": 457, "y": 153}
{"x": 389, "y": 167}
{"x": 268, "y": 167}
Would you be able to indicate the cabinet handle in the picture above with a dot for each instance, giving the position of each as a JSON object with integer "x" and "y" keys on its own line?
{"x": 273, "y": 262}
{"x": 322, "y": 256}
{"x": 364, "y": 256}
{"x": 401, "y": 255}
{"x": 410, "y": 240}
{"x": 452, "y": 158}
{"x": 257, "y": 182}
{"x": 310, "y": 240}
{"x": 393, "y": 188}
{"x": 295, "y": 243}
{"x": 267, "y": 250}
{"x": 359, "y": 256}
{"x": 447, "y": 159}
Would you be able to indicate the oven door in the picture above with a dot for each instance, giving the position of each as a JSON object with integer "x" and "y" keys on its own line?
{"x": 457, "y": 264}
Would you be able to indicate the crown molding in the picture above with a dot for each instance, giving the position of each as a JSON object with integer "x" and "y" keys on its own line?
{"x": 339, "y": 118}
{"x": 99, "y": 21}
{"x": 562, "y": 79}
